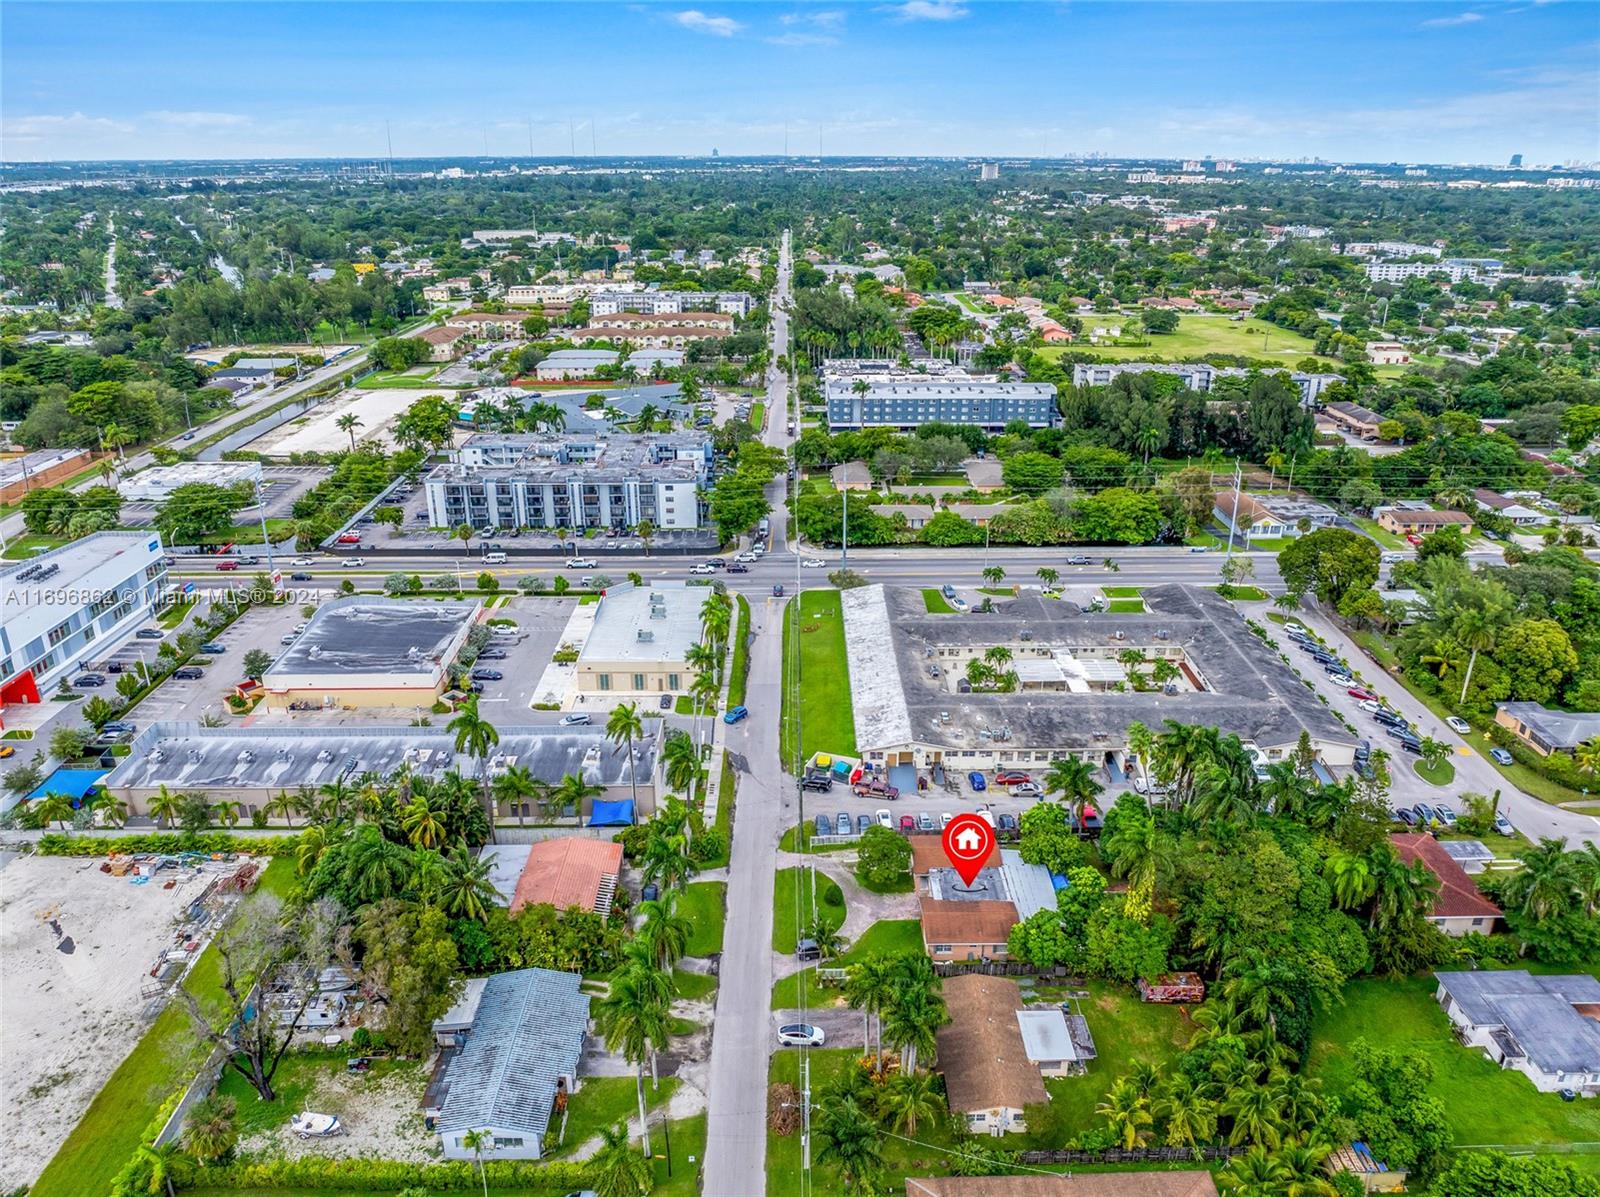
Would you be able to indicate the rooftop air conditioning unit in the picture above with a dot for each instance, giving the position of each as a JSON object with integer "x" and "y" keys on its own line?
{"x": 158, "y": 755}
{"x": 1027, "y": 635}
{"x": 1122, "y": 635}
{"x": 246, "y": 757}
{"x": 324, "y": 756}
{"x": 1163, "y": 634}
{"x": 645, "y": 635}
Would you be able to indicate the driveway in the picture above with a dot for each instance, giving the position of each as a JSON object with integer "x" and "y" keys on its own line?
{"x": 1474, "y": 773}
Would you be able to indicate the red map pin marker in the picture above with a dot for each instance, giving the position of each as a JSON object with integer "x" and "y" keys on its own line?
{"x": 968, "y": 840}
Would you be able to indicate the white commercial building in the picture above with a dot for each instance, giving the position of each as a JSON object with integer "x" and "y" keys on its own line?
{"x": 641, "y": 640}
{"x": 671, "y": 303}
{"x": 1399, "y": 272}
{"x": 61, "y": 606}
{"x": 158, "y": 482}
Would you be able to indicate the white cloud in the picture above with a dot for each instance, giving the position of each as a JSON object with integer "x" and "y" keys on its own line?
{"x": 795, "y": 38}
{"x": 828, "y": 18}
{"x": 928, "y": 10}
{"x": 1466, "y": 18}
{"x": 70, "y": 127}
{"x": 200, "y": 120}
{"x": 700, "y": 22}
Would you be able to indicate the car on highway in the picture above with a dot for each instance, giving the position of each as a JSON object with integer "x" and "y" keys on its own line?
{"x": 300, "y": 577}
{"x": 353, "y": 562}
{"x": 1078, "y": 559}
{"x": 304, "y": 561}
{"x": 747, "y": 558}
{"x": 701, "y": 569}
{"x": 736, "y": 714}
{"x": 1199, "y": 548}
{"x": 885, "y": 819}
{"x": 738, "y": 567}
{"x": 223, "y": 566}
{"x": 576, "y": 719}
{"x": 1501, "y": 757}
{"x": 1458, "y": 725}
{"x": 1011, "y": 777}
{"x": 777, "y": 590}
{"x": 580, "y": 563}
{"x": 977, "y": 781}
{"x": 814, "y": 563}
{"x": 907, "y": 823}
{"x": 149, "y": 634}
{"x": 800, "y": 1034}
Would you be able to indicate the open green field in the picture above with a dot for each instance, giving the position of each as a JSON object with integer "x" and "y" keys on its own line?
{"x": 162, "y": 1062}
{"x": 1199, "y": 335}
{"x": 1483, "y": 1103}
{"x": 702, "y": 904}
{"x": 885, "y": 935}
{"x": 826, "y": 719}
{"x": 793, "y": 911}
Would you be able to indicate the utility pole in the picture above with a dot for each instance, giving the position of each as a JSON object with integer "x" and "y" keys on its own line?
{"x": 844, "y": 548}
{"x": 1233, "y": 521}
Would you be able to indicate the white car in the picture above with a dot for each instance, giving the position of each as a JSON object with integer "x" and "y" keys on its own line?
{"x": 1025, "y": 789}
{"x": 1458, "y": 725}
{"x": 576, "y": 719}
{"x": 354, "y": 562}
{"x": 305, "y": 561}
{"x": 814, "y": 563}
{"x": 748, "y": 557}
{"x": 885, "y": 819}
{"x": 1370, "y": 706}
{"x": 580, "y": 563}
{"x": 944, "y": 820}
{"x": 799, "y": 1034}
{"x": 1343, "y": 679}
{"x": 701, "y": 569}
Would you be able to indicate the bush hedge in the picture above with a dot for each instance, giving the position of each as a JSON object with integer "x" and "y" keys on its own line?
{"x": 171, "y": 842}
{"x": 386, "y": 1176}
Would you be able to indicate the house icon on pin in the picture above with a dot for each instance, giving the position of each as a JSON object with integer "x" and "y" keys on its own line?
{"x": 967, "y": 840}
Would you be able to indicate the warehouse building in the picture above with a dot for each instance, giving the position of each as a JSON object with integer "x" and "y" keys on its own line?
{"x": 157, "y": 483}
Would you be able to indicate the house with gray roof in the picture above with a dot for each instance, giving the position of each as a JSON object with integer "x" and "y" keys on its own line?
{"x": 1544, "y": 730}
{"x": 1078, "y": 687}
{"x": 519, "y": 1051}
{"x": 1545, "y": 1027}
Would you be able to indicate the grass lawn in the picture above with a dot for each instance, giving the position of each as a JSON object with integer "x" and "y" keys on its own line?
{"x": 31, "y": 545}
{"x": 885, "y": 935}
{"x": 935, "y": 603}
{"x": 604, "y": 1101}
{"x": 1206, "y": 540}
{"x": 1442, "y": 776}
{"x": 693, "y": 986}
{"x": 1483, "y": 1103}
{"x": 739, "y": 668}
{"x": 1127, "y": 606}
{"x": 684, "y": 705}
{"x": 1126, "y": 1031}
{"x": 1121, "y": 591}
{"x": 1385, "y": 538}
{"x": 1199, "y": 335}
{"x": 999, "y": 591}
{"x": 701, "y": 902}
{"x": 792, "y": 908}
{"x": 295, "y": 1081}
{"x": 1246, "y": 594}
{"x": 758, "y": 416}
{"x": 1269, "y": 544}
{"x": 161, "y": 1062}
{"x": 826, "y": 719}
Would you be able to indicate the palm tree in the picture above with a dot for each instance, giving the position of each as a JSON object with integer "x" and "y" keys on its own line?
{"x": 1254, "y": 1174}
{"x": 1047, "y": 575}
{"x": 909, "y": 1098}
{"x": 422, "y": 822}
{"x": 912, "y": 1016}
{"x": 381, "y": 867}
{"x": 666, "y": 858}
{"x": 476, "y": 736}
{"x": 113, "y": 808}
{"x": 513, "y": 787}
{"x": 478, "y": 1142}
{"x": 211, "y": 1129}
{"x": 55, "y": 807}
{"x": 623, "y": 725}
{"x": 680, "y": 763}
{"x": 349, "y": 422}
{"x": 310, "y": 845}
{"x": 1304, "y": 1164}
{"x": 664, "y": 932}
{"x": 1074, "y": 781}
{"x": 993, "y": 575}
{"x": 1186, "y": 1111}
{"x": 1141, "y": 746}
{"x": 467, "y": 892}
{"x": 1587, "y": 755}
{"x": 1350, "y": 878}
{"x": 164, "y": 807}
{"x": 868, "y": 986}
{"x": 1477, "y": 629}
{"x": 1547, "y": 884}
{"x": 159, "y": 1161}
{"x": 573, "y": 790}
{"x": 633, "y": 1022}
{"x": 851, "y": 1140}
{"x": 283, "y": 807}
{"x": 1254, "y": 1110}
{"x": 825, "y": 934}
{"x": 1127, "y": 1112}
{"x": 1138, "y": 852}
{"x": 617, "y": 1170}
{"x": 1587, "y": 866}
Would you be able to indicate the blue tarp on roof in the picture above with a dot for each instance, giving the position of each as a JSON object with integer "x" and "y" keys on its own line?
{"x": 612, "y": 814}
{"x": 74, "y": 783}
{"x": 1059, "y": 881}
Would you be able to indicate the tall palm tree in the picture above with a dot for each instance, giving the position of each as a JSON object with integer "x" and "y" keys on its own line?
{"x": 869, "y": 986}
{"x": 912, "y": 1016}
{"x": 514, "y": 787}
{"x": 851, "y": 1140}
{"x": 1254, "y": 1110}
{"x": 1547, "y": 883}
{"x": 164, "y": 807}
{"x": 1127, "y": 1113}
{"x": 1047, "y": 574}
{"x": 475, "y": 736}
{"x": 1138, "y": 852}
{"x": 349, "y": 422}
{"x": 1186, "y": 1111}
{"x": 478, "y": 1142}
{"x": 1350, "y": 878}
{"x": 1073, "y": 780}
{"x": 311, "y": 844}
{"x": 422, "y": 822}
{"x": 114, "y": 809}
{"x": 680, "y": 763}
{"x": 634, "y": 1024}
{"x": 617, "y": 1170}
{"x": 909, "y": 1098}
{"x": 1141, "y": 746}
{"x": 1254, "y": 1174}
{"x": 1477, "y": 629}
{"x": 467, "y": 892}
{"x": 623, "y": 726}
{"x": 54, "y": 807}
{"x": 664, "y": 932}
{"x": 572, "y": 790}
{"x": 283, "y": 806}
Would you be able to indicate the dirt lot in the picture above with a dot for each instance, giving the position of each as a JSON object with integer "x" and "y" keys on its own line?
{"x": 68, "y": 1017}
{"x": 381, "y": 1116}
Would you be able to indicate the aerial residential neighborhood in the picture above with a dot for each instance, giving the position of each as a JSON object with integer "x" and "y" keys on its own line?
{"x": 928, "y": 599}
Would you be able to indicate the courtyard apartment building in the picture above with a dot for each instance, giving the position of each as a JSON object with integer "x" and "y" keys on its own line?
{"x": 670, "y": 303}
{"x": 1196, "y": 376}
{"x": 574, "y": 482}
{"x": 643, "y": 331}
{"x": 1082, "y": 678}
{"x": 60, "y": 607}
{"x": 906, "y": 405}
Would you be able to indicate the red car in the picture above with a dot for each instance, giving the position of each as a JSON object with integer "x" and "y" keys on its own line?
{"x": 349, "y": 538}
{"x": 907, "y": 823}
{"x": 227, "y": 565}
{"x": 1413, "y": 538}
{"x": 1364, "y": 695}
{"x": 1010, "y": 777}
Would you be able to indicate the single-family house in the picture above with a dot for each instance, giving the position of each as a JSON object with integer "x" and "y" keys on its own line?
{"x": 568, "y": 871}
{"x": 1545, "y": 1027}
{"x": 957, "y": 930}
{"x": 444, "y": 343}
{"x": 1460, "y": 907}
{"x": 1406, "y": 522}
{"x": 983, "y": 474}
{"x": 1544, "y": 730}
{"x": 851, "y": 475}
{"x": 927, "y": 854}
{"x": 1355, "y": 419}
{"x": 1387, "y": 353}
{"x": 989, "y": 1080}
{"x": 1519, "y": 514}
{"x": 916, "y": 515}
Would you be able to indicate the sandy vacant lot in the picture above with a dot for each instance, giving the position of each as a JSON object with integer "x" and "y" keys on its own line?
{"x": 67, "y": 1019}
{"x": 382, "y": 1118}
{"x": 317, "y": 431}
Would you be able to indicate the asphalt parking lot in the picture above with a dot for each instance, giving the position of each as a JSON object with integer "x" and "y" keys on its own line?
{"x": 176, "y": 699}
{"x": 540, "y": 622}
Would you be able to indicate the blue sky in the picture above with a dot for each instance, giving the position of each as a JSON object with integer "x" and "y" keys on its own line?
{"x": 1456, "y": 82}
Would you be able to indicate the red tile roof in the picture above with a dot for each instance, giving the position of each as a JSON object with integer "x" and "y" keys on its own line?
{"x": 1458, "y": 897}
{"x": 566, "y": 871}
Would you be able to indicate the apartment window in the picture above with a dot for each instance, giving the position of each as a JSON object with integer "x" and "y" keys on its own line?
{"x": 673, "y": 681}
{"x": 605, "y": 681}
{"x": 499, "y": 1142}
{"x": 59, "y": 633}
{"x": 638, "y": 681}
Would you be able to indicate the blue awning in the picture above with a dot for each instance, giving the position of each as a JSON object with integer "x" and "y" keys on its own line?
{"x": 612, "y": 814}
{"x": 1323, "y": 775}
{"x": 74, "y": 783}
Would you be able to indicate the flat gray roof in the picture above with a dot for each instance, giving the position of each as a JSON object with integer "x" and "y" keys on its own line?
{"x": 186, "y": 756}
{"x": 1254, "y": 695}
{"x": 20, "y": 469}
{"x": 82, "y": 557}
{"x": 1026, "y": 886}
{"x": 669, "y": 612}
{"x": 1045, "y": 1035}
{"x": 369, "y": 635}
{"x": 1537, "y": 1011}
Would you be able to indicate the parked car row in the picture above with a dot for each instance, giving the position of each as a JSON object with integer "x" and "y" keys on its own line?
{"x": 1393, "y": 723}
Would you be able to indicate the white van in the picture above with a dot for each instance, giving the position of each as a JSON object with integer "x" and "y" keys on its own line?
{"x": 494, "y": 558}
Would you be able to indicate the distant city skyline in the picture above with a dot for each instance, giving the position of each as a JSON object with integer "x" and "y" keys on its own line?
{"x": 1424, "y": 82}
